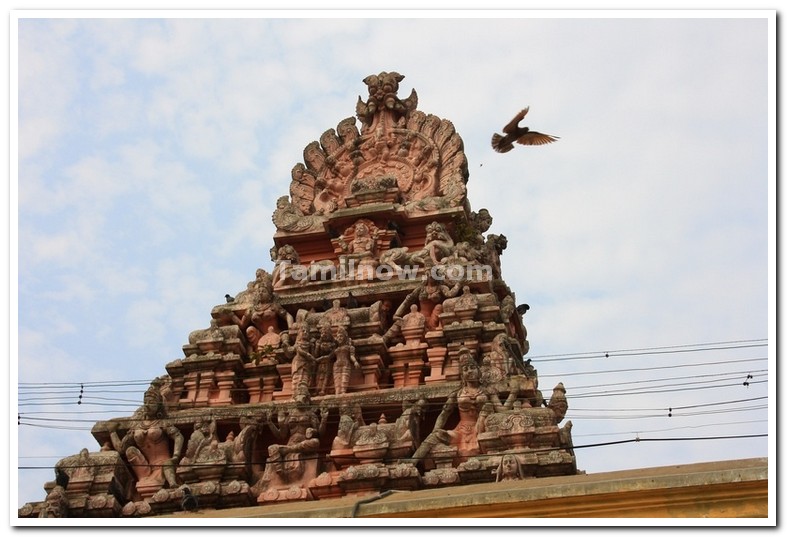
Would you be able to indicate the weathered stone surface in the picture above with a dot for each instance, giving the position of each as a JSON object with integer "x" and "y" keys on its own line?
{"x": 382, "y": 351}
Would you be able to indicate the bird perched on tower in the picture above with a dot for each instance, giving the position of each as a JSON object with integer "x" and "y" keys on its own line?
{"x": 189, "y": 502}
{"x": 503, "y": 143}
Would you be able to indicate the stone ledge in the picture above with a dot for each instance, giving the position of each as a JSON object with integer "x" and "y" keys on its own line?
{"x": 716, "y": 489}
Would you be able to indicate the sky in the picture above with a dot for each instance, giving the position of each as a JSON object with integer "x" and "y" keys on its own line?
{"x": 149, "y": 153}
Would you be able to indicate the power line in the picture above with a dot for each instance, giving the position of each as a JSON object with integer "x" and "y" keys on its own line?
{"x": 521, "y": 451}
{"x": 690, "y": 347}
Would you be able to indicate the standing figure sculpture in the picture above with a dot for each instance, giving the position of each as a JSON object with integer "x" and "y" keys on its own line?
{"x": 303, "y": 363}
{"x": 147, "y": 445}
{"x": 323, "y": 349}
{"x": 345, "y": 359}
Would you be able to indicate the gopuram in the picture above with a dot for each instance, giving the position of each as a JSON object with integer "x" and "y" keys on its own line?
{"x": 383, "y": 350}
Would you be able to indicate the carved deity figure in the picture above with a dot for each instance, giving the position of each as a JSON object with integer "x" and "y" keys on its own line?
{"x": 303, "y": 363}
{"x": 509, "y": 469}
{"x": 300, "y": 429}
{"x": 432, "y": 291}
{"x": 204, "y": 432}
{"x": 380, "y": 312}
{"x": 147, "y": 444}
{"x": 262, "y": 283}
{"x": 322, "y": 351}
{"x": 436, "y": 291}
{"x": 363, "y": 242}
{"x": 473, "y": 402}
{"x": 438, "y": 242}
{"x": 55, "y": 504}
{"x": 495, "y": 244}
{"x": 359, "y": 244}
{"x": 287, "y": 263}
{"x": 350, "y": 419}
{"x": 344, "y": 355}
{"x": 500, "y": 361}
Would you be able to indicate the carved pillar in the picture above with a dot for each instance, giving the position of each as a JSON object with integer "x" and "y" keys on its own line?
{"x": 285, "y": 373}
{"x": 371, "y": 370}
{"x": 226, "y": 383}
{"x": 204, "y": 386}
{"x": 436, "y": 357}
{"x": 190, "y": 383}
{"x": 269, "y": 382}
{"x": 407, "y": 364}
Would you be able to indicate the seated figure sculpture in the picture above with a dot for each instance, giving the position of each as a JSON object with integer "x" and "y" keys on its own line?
{"x": 295, "y": 462}
{"x": 147, "y": 445}
{"x": 474, "y": 402}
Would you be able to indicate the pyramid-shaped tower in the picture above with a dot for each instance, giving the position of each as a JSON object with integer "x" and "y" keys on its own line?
{"x": 383, "y": 350}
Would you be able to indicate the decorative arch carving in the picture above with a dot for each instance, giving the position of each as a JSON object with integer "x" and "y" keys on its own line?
{"x": 417, "y": 158}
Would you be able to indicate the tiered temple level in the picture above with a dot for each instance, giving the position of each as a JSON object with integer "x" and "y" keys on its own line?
{"x": 383, "y": 350}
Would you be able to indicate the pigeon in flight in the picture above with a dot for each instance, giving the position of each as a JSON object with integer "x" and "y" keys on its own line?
{"x": 521, "y": 135}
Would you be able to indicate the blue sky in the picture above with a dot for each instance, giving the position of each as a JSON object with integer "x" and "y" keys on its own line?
{"x": 151, "y": 152}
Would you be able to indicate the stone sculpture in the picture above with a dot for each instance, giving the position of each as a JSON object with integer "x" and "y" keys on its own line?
{"x": 369, "y": 358}
{"x": 146, "y": 445}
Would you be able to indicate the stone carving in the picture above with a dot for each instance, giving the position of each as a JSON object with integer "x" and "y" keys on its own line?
{"x": 261, "y": 283}
{"x": 382, "y": 96}
{"x": 293, "y": 464}
{"x": 208, "y": 459}
{"x": 146, "y": 445}
{"x": 269, "y": 342}
{"x": 303, "y": 365}
{"x": 558, "y": 402}
{"x": 495, "y": 244}
{"x": 463, "y": 307}
{"x": 56, "y": 504}
{"x": 473, "y": 402}
{"x": 400, "y": 155}
{"x": 213, "y": 339}
{"x": 322, "y": 350}
{"x": 438, "y": 242}
{"x": 361, "y": 443}
{"x": 383, "y": 190}
{"x": 286, "y": 262}
{"x": 502, "y": 359}
{"x": 430, "y": 292}
{"x": 344, "y": 359}
{"x": 358, "y": 245}
{"x": 288, "y": 217}
{"x": 510, "y": 469}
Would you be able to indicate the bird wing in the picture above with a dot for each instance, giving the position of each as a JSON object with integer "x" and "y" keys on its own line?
{"x": 512, "y": 125}
{"x": 536, "y": 138}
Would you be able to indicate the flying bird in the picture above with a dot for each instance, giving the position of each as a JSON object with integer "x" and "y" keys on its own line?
{"x": 521, "y": 135}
